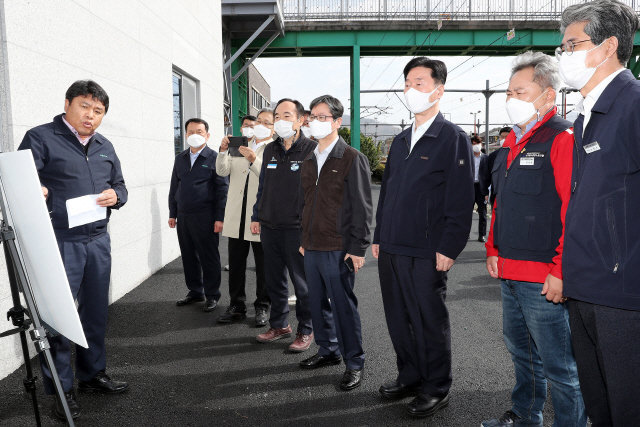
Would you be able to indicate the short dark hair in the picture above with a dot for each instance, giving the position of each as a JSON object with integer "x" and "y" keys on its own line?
{"x": 197, "y": 120}
{"x": 334, "y": 104}
{"x": 307, "y": 112}
{"x": 505, "y": 129}
{"x": 88, "y": 87}
{"x": 438, "y": 68}
{"x": 475, "y": 139}
{"x": 248, "y": 117}
{"x": 605, "y": 18}
{"x": 299, "y": 106}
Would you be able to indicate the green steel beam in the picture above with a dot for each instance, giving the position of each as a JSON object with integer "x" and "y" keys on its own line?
{"x": 355, "y": 97}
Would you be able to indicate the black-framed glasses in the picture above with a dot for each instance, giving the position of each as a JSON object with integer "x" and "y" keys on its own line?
{"x": 568, "y": 47}
{"x": 320, "y": 117}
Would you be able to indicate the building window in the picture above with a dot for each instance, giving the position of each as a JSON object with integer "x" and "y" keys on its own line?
{"x": 258, "y": 101}
{"x": 185, "y": 107}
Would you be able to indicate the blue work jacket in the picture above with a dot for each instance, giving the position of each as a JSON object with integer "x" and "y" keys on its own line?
{"x": 601, "y": 256}
{"x": 197, "y": 189}
{"x": 427, "y": 194}
{"x": 67, "y": 172}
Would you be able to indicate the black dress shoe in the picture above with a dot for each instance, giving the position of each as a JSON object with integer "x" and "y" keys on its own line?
{"x": 74, "y": 409}
{"x": 396, "y": 390}
{"x": 102, "y": 383}
{"x": 424, "y": 405}
{"x": 261, "y": 317}
{"x": 351, "y": 379}
{"x": 210, "y": 305}
{"x": 188, "y": 300}
{"x": 482, "y": 239}
{"x": 232, "y": 313}
{"x": 317, "y": 361}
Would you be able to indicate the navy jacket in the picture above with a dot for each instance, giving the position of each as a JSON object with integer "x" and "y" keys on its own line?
{"x": 67, "y": 173}
{"x": 601, "y": 256}
{"x": 197, "y": 189}
{"x": 280, "y": 197}
{"x": 426, "y": 195}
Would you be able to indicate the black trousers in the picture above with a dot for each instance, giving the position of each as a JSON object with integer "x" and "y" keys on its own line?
{"x": 88, "y": 268}
{"x": 238, "y": 253}
{"x": 200, "y": 255}
{"x": 413, "y": 295}
{"x": 482, "y": 210}
{"x": 281, "y": 254}
{"x": 606, "y": 343}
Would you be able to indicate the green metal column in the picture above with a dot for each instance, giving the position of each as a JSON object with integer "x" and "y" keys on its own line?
{"x": 238, "y": 93}
{"x": 355, "y": 98}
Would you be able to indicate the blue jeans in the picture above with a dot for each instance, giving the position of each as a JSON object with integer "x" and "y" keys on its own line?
{"x": 538, "y": 337}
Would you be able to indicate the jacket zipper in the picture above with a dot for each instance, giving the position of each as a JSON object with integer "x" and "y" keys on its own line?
{"x": 575, "y": 183}
{"x": 427, "y": 234}
{"x": 614, "y": 238}
{"x": 408, "y": 147}
{"x": 313, "y": 208}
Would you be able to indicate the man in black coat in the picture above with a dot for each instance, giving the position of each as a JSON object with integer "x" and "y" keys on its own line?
{"x": 422, "y": 224}
{"x": 197, "y": 198}
{"x": 73, "y": 160}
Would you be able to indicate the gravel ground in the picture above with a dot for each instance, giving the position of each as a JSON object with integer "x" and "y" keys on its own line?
{"x": 186, "y": 370}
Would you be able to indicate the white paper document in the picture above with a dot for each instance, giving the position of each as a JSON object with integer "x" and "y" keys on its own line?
{"x": 83, "y": 210}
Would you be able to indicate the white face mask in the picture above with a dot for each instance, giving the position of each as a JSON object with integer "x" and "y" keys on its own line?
{"x": 196, "y": 140}
{"x": 573, "y": 68}
{"x": 320, "y": 129}
{"x": 419, "y": 101}
{"x": 284, "y": 129}
{"x": 261, "y": 132}
{"x": 502, "y": 142}
{"x": 306, "y": 130}
{"x": 521, "y": 111}
{"x": 477, "y": 148}
{"x": 248, "y": 132}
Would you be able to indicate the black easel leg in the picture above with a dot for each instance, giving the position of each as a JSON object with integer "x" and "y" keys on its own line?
{"x": 18, "y": 320}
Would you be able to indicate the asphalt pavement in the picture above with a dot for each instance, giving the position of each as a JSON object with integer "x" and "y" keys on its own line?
{"x": 184, "y": 369}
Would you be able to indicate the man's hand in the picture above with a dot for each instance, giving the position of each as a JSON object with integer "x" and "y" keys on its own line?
{"x": 255, "y": 228}
{"x": 486, "y": 198}
{"x": 45, "y": 192}
{"x": 108, "y": 198}
{"x": 375, "y": 250}
{"x": 492, "y": 266}
{"x": 248, "y": 154}
{"x": 217, "y": 227}
{"x": 552, "y": 288}
{"x": 358, "y": 261}
{"x": 172, "y": 223}
{"x": 443, "y": 263}
{"x": 301, "y": 250}
{"x": 224, "y": 145}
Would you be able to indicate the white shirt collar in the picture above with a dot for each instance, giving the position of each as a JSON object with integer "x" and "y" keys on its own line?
{"x": 416, "y": 134}
{"x": 327, "y": 150}
{"x": 197, "y": 152}
{"x": 589, "y": 101}
{"x": 255, "y": 144}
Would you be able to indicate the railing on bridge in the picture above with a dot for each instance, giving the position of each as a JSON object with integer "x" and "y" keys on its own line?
{"x": 409, "y": 10}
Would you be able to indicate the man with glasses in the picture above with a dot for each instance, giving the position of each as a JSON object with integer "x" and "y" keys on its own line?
{"x": 244, "y": 172}
{"x": 336, "y": 234}
{"x": 601, "y": 257}
{"x": 277, "y": 217}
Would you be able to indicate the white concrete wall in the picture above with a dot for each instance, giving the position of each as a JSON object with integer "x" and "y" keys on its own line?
{"x": 130, "y": 48}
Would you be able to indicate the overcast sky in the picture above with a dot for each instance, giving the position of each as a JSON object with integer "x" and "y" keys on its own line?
{"x": 306, "y": 78}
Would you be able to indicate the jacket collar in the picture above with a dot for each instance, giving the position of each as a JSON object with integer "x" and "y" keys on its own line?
{"x": 61, "y": 129}
{"x": 612, "y": 91}
{"x": 432, "y": 132}
{"x": 337, "y": 152}
{"x": 206, "y": 151}
{"x": 295, "y": 146}
{"x": 510, "y": 142}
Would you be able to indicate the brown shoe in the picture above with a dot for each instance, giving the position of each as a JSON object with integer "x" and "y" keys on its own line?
{"x": 274, "y": 334}
{"x": 301, "y": 343}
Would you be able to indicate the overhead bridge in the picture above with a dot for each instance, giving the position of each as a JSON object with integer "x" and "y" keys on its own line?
{"x": 356, "y": 28}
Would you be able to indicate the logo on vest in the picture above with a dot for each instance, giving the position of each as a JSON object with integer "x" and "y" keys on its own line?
{"x": 295, "y": 167}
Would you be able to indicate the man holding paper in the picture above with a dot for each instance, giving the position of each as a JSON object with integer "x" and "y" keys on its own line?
{"x": 82, "y": 182}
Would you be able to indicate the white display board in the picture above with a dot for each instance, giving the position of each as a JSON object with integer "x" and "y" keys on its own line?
{"x": 28, "y": 215}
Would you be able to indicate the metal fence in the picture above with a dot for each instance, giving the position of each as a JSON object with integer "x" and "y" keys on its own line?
{"x": 408, "y": 10}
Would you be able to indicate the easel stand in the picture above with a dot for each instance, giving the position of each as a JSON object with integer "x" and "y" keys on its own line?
{"x": 19, "y": 283}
